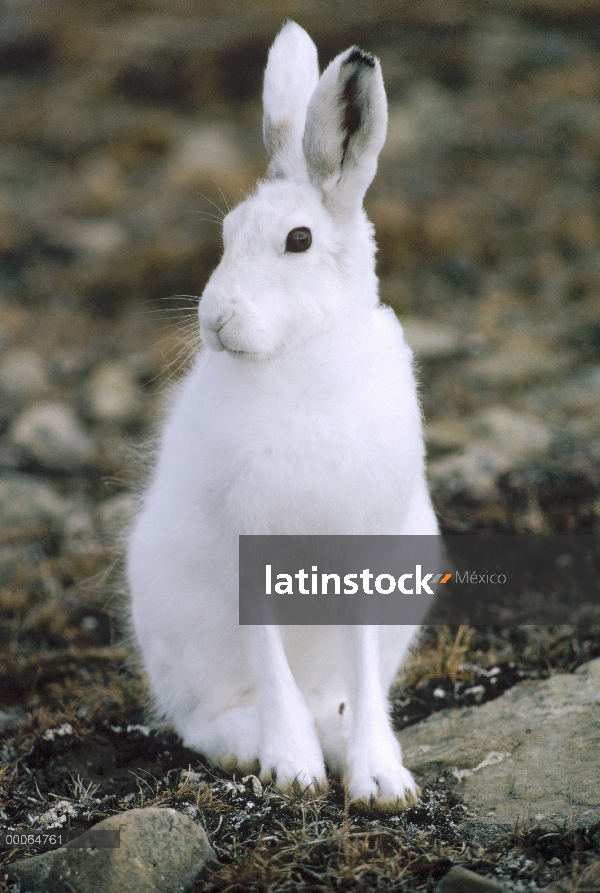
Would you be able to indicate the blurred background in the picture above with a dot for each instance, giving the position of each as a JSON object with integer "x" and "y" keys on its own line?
{"x": 126, "y": 128}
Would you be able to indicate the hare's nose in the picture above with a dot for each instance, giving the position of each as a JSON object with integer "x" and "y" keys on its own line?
{"x": 221, "y": 320}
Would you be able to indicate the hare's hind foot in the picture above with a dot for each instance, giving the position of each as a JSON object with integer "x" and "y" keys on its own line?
{"x": 295, "y": 770}
{"x": 292, "y": 757}
{"x": 390, "y": 788}
{"x": 361, "y": 805}
{"x": 315, "y": 788}
{"x": 391, "y": 793}
{"x": 376, "y": 776}
{"x": 230, "y": 741}
{"x": 294, "y": 762}
{"x": 232, "y": 763}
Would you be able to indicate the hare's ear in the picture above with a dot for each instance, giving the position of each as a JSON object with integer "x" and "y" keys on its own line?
{"x": 291, "y": 75}
{"x": 346, "y": 124}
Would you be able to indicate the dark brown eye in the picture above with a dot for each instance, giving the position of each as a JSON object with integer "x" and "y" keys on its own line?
{"x": 298, "y": 240}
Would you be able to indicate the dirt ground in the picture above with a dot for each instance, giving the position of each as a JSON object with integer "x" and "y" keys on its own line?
{"x": 126, "y": 129}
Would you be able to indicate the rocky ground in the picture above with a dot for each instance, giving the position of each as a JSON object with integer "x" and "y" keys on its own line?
{"x": 126, "y": 130}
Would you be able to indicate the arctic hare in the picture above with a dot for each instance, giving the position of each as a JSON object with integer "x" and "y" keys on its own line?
{"x": 301, "y": 417}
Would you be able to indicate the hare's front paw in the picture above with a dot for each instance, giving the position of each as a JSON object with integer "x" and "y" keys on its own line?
{"x": 377, "y": 777}
{"x": 294, "y": 761}
{"x": 387, "y": 785}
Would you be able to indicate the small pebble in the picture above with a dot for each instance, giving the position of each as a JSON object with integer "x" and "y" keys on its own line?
{"x": 518, "y": 362}
{"x": 51, "y": 435}
{"x": 431, "y": 340}
{"x": 26, "y": 500}
{"x": 22, "y": 375}
{"x": 519, "y": 435}
{"x": 79, "y": 533}
{"x": 111, "y": 394}
{"x": 460, "y": 880}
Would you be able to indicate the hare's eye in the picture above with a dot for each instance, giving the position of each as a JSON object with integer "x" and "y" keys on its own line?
{"x": 298, "y": 239}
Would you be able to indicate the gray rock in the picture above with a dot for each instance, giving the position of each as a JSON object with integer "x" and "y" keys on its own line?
{"x": 516, "y": 364}
{"x": 474, "y": 470}
{"x": 515, "y": 434}
{"x": 431, "y": 340}
{"x": 11, "y": 718}
{"x": 22, "y": 375}
{"x": 447, "y": 436}
{"x": 26, "y": 500}
{"x": 161, "y": 851}
{"x": 460, "y": 880}
{"x": 51, "y": 434}
{"x": 503, "y": 439}
{"x": 111, "y": 394}
{"x": 573, "y": 403}
{"x": 579, "y": 393}
{"x": 547, "y": 776}
{"x": 99, "y": 239}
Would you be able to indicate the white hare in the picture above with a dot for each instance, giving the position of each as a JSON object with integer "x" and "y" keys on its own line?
{"x": 301, "y": 417}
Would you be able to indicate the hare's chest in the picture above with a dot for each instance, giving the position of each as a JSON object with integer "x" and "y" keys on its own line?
{"x": 316, "y": 451}
{"x": 311, "y": 470}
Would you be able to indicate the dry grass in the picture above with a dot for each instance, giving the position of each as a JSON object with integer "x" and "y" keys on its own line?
{"x": 443, "y": 659}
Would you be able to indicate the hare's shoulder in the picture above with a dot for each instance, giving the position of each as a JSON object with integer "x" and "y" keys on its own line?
{"x": 388, "y": 328}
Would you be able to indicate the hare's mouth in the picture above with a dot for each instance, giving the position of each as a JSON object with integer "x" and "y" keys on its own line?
{"x": 232, "y": 350}
{"x": 239, "y": 353}
{"x": 236, "y": 351}
{"x": 217, "y": 340}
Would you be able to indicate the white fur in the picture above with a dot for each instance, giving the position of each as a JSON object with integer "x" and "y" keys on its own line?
{"x": 303, "y": 418}
{"x": 285, "y": 101}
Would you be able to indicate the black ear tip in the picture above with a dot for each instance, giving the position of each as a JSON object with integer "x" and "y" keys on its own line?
{"x": 359, "y": 56}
